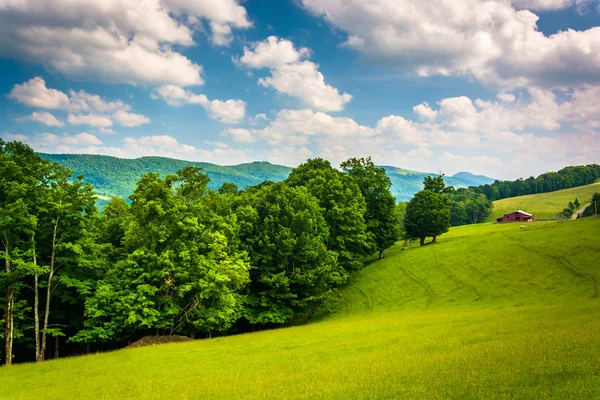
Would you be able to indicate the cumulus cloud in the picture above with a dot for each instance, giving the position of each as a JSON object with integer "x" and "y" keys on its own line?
{"x": 82, "y": 139}
{"x": 489, "y": 40}
{"x": 292, "y": 74}
{"x": 116, "y": 41}
{"x": 168, "y": 146}
{"x": 129, "y": 120}
{"x": 293, "y": 125}
{"x": 239, "y": 135}
{"x": 289, "y": 155}
{"x": 544, "y": 5}
{"x": 34, "y": 93}
{"x": 42, "y": 117}
{"x": 230, "y": 111}
{"x": 100, "y": 112}
{"x": 95, "y": 120}
{"x": 424, "y": 111}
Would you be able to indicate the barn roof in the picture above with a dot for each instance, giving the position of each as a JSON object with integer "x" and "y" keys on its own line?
{"x": 523, "y": 212}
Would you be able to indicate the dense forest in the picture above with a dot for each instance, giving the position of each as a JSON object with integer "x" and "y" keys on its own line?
{"x": 177, "y": 258}
{"x": 566, "y": 178}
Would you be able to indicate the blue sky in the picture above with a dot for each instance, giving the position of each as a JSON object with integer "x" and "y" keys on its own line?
{"x": 505, "y": 88}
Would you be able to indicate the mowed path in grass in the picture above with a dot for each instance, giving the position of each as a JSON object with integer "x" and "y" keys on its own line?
{"x": 544, "y": 205}
{"x": 491, "y": 311}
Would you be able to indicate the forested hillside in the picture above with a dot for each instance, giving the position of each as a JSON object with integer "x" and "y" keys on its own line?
{"x": 113, "y": 176}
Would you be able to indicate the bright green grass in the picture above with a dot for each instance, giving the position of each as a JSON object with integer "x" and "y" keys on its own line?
{"x": 544, "y": 205}
{"x": 492, "y": 311}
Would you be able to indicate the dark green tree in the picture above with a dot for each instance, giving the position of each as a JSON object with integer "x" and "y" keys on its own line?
{"x": 343, "y": 207}
{"x": 178, "y": 272}
{"x": 380, "y": 216}
{"x": 427, "y": 215}
{"x": 285, "y": 234}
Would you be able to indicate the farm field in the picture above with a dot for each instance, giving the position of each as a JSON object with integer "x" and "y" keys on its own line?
{"x": 491, "y": 311}
{"x": 544, "y": 205}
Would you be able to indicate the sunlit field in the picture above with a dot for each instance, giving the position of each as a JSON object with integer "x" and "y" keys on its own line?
{"x": 544, "y": 205}
{"x": 491, "y": 311}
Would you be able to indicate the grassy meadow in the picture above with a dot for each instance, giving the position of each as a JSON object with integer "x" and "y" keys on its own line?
{"x": 544, "y": 205}
{"x": 491, "y": 311}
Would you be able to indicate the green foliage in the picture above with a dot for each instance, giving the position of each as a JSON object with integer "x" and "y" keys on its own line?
{"x": 285, "y": 234}
{"x": 343, "y": 207}
{"x": 469, "y": 207}
{"x": 569, "y": 177}
{"x": 375, "y": 185}
{"x": 176, "y": 273}
{"x": 428, "y": 213}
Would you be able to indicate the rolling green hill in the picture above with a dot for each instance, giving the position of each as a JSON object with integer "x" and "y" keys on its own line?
{"x": 406, "y": 183}
{"x": 544, "y": 205}
{"x": 117, "y": 177}
{"x": 491, "y": 311}
{"x": 113, "y": 176}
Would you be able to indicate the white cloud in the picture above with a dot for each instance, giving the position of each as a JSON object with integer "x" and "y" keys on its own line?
{"x": 43, "y": 117}
{"x": 101, "y": 112}
{"x": 239, "y": 135}
{"x": 130, "y": 119}
{"x": 82, "y": 101}
{"x": 544, "y": 5}
{"x": 96, "y": 120}
{"x": 292, "y": 74}
{"x": 168, "y": 146}
{"x": 34, "y": 93}
{"x": 82, "y": 139}
{"x": 424, "y": 111}
{"x": 489, "y": 40}
{"x": 289, "y": 155}
{"x": 230, "y": 111}
{"x": 290, "y": 125}
{"x": 272, "y": 53}
{"x": 107, "y": 131}
{"x": 116, "y": 41}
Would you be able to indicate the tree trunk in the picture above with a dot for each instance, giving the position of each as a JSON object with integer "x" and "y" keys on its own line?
{"x": 434, "y": 240}
{"x": 8, "y": 331}
{"x": 422, "y": 241}
{"x": 49, "y": 293}
{"x": 381, "y": 254}
{"x": 10, "y": 301}
{"x": 36, "y": 305}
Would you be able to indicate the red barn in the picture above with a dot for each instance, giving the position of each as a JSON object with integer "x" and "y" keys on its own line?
{"x": 517, "y": 216}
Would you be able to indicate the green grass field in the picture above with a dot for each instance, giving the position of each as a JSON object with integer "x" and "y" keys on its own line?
{"x": 491, "y": 311}
{"x": 544, "y": 205}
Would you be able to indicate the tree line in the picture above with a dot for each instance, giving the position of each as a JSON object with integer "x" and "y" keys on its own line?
{"x": 566, "y": 178}
{"x": 177, "y": 258}
{"x": 474, "y": 204}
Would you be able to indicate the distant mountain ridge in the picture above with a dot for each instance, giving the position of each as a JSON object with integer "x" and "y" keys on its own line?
{"x": 112, "y": 176}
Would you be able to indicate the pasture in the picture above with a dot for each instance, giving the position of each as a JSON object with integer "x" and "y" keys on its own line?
{"x": 491, "y": 311}
{"x": 544, "y": 205}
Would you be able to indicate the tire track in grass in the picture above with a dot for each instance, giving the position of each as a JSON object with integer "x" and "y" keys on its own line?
{"x": 562, "y": 260}
{"x": 366, "y": 295}
{"x": 455, "y": 278}
{"x": 431, "y": 295}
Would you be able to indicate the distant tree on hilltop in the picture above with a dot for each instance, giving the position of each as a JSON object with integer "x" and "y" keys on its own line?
{"x": 428, "y": 213}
